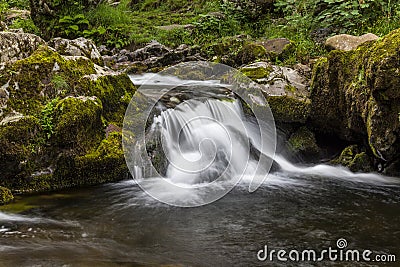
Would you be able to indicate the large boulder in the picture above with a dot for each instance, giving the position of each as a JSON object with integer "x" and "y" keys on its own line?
{"x": 5, "y": 195}
{"x": 285, "y": 89}
{"x": 15, "y": 46}
{"x": 348, "y": 42}
{"x": 355, "y": 95}
{"x": 54, "y": 113}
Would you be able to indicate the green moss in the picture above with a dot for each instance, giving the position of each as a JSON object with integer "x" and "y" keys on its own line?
{"x": 289, "y": 109}
{"x": 78, "y": 124}
{"x": 303, "y": 141}
{"x": 105, "y": 164}
{"x": 355, "y": 159}
{"x": 255, "y": 73}
{"x": 5, "y": 195}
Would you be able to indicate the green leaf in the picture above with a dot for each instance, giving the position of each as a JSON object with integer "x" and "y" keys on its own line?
{"x": 74, "y": 27}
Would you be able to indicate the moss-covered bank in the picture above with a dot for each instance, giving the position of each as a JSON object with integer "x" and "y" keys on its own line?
{"x": 54, "y": 111}
{"x": 355, "y": 95}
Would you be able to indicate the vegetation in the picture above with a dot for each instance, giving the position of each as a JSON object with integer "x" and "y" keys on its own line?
{"x": 135, "y": 22}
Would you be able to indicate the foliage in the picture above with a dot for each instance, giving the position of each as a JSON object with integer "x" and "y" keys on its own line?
{"x": 26, "y": 25}
{"x": 47, "y": 117}
{"x": 72, "y": 26}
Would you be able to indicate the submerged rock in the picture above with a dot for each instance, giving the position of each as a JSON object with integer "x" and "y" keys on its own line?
{"x": 355, "y": 95}
{"x": 348, "y": 42}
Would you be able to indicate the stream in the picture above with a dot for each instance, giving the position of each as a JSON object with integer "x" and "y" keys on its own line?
{"x": 118, "y": 224}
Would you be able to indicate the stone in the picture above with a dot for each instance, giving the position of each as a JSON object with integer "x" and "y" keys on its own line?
{"x": 15, "y": 46}
{"x": 285, "y": 89}
{"x": 276, "y": 46}
{"x": 77, "y": 47}
{"x": 355, "y": 96}
{"x": 346, "y": 42}
{"x": 302, "y": 143}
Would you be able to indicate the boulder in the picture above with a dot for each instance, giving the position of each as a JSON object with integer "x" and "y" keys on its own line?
{"x": 355, "y": 95}
{"x": 15, "y": 46}
{"x": 348, "y": 42}
{"x": 276, "y": 46}
{"x": 285, "y": 89}
{"x": 77, "y": 47}
{"x": 53, "y": 117}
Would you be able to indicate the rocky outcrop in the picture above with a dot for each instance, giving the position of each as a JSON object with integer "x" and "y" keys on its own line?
{"x": 348, "y": 42}
{"x": 54, "y": 113}
{"x": 285, "y": 89}
{"x": 355, "y": 95}
{"x": 15, "y": 46}
{"x": 302, "y": 143}
{"x": 355, "y": 158}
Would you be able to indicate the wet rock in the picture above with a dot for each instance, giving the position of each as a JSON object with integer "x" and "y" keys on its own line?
{"x": 355, "y": 159}
{"x": 355, "y": 96}
{"x": 15, "y": 46}
{"x": 77, "y": 47}
{"x": 348, "y": 42}
{"x": 302, "y": 143}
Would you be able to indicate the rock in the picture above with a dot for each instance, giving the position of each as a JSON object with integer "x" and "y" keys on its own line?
{"x": 153, "y": 49}
{"x": 173, "y": 27}
{"x": 15, "y": 46}
{"x": 52, "y": 130}
{"x": 355, "y": 159}
{"x": 249, "y": 53}
{"x": 276, "y": 46}
{"x": 5, "y": 195}
{"x": 77, "y": 47}
{"x": 355, "y": 95}
{"x": 348, "y": 42}
{"x": 302, "y": 143}
{"x": 285, "y": 89}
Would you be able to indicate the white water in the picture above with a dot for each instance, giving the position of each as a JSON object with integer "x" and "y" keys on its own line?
{"x": 208, "y": 146}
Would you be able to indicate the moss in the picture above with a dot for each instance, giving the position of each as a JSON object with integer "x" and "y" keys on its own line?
{"x": 5, "y": 195}
{"x": 105, "y": 164}
{"x": 289, "y": 109}
{"x": 78, "y": 124}
{"x": 114, "y": 91}
{"x": 250, "y": 53}
{"x": 18, "y": 143}
{"x": 355, "y": 159}
{"x": 256, "y": 73}
{"x": 303, "y": 142}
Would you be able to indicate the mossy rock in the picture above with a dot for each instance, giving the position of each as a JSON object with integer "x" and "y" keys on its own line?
{"x": 355, "y": 95}
{"x": 289, "y": 109}
{"x": 257, "y": 70}
{"x": 355, "y": 159}
{"x": 105, "y": 164}
{"x": 78, "y": 123}
{"x": 5, "y": 195}
{"x": 53, "y": 114}
{"x": 303, "y": 143}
